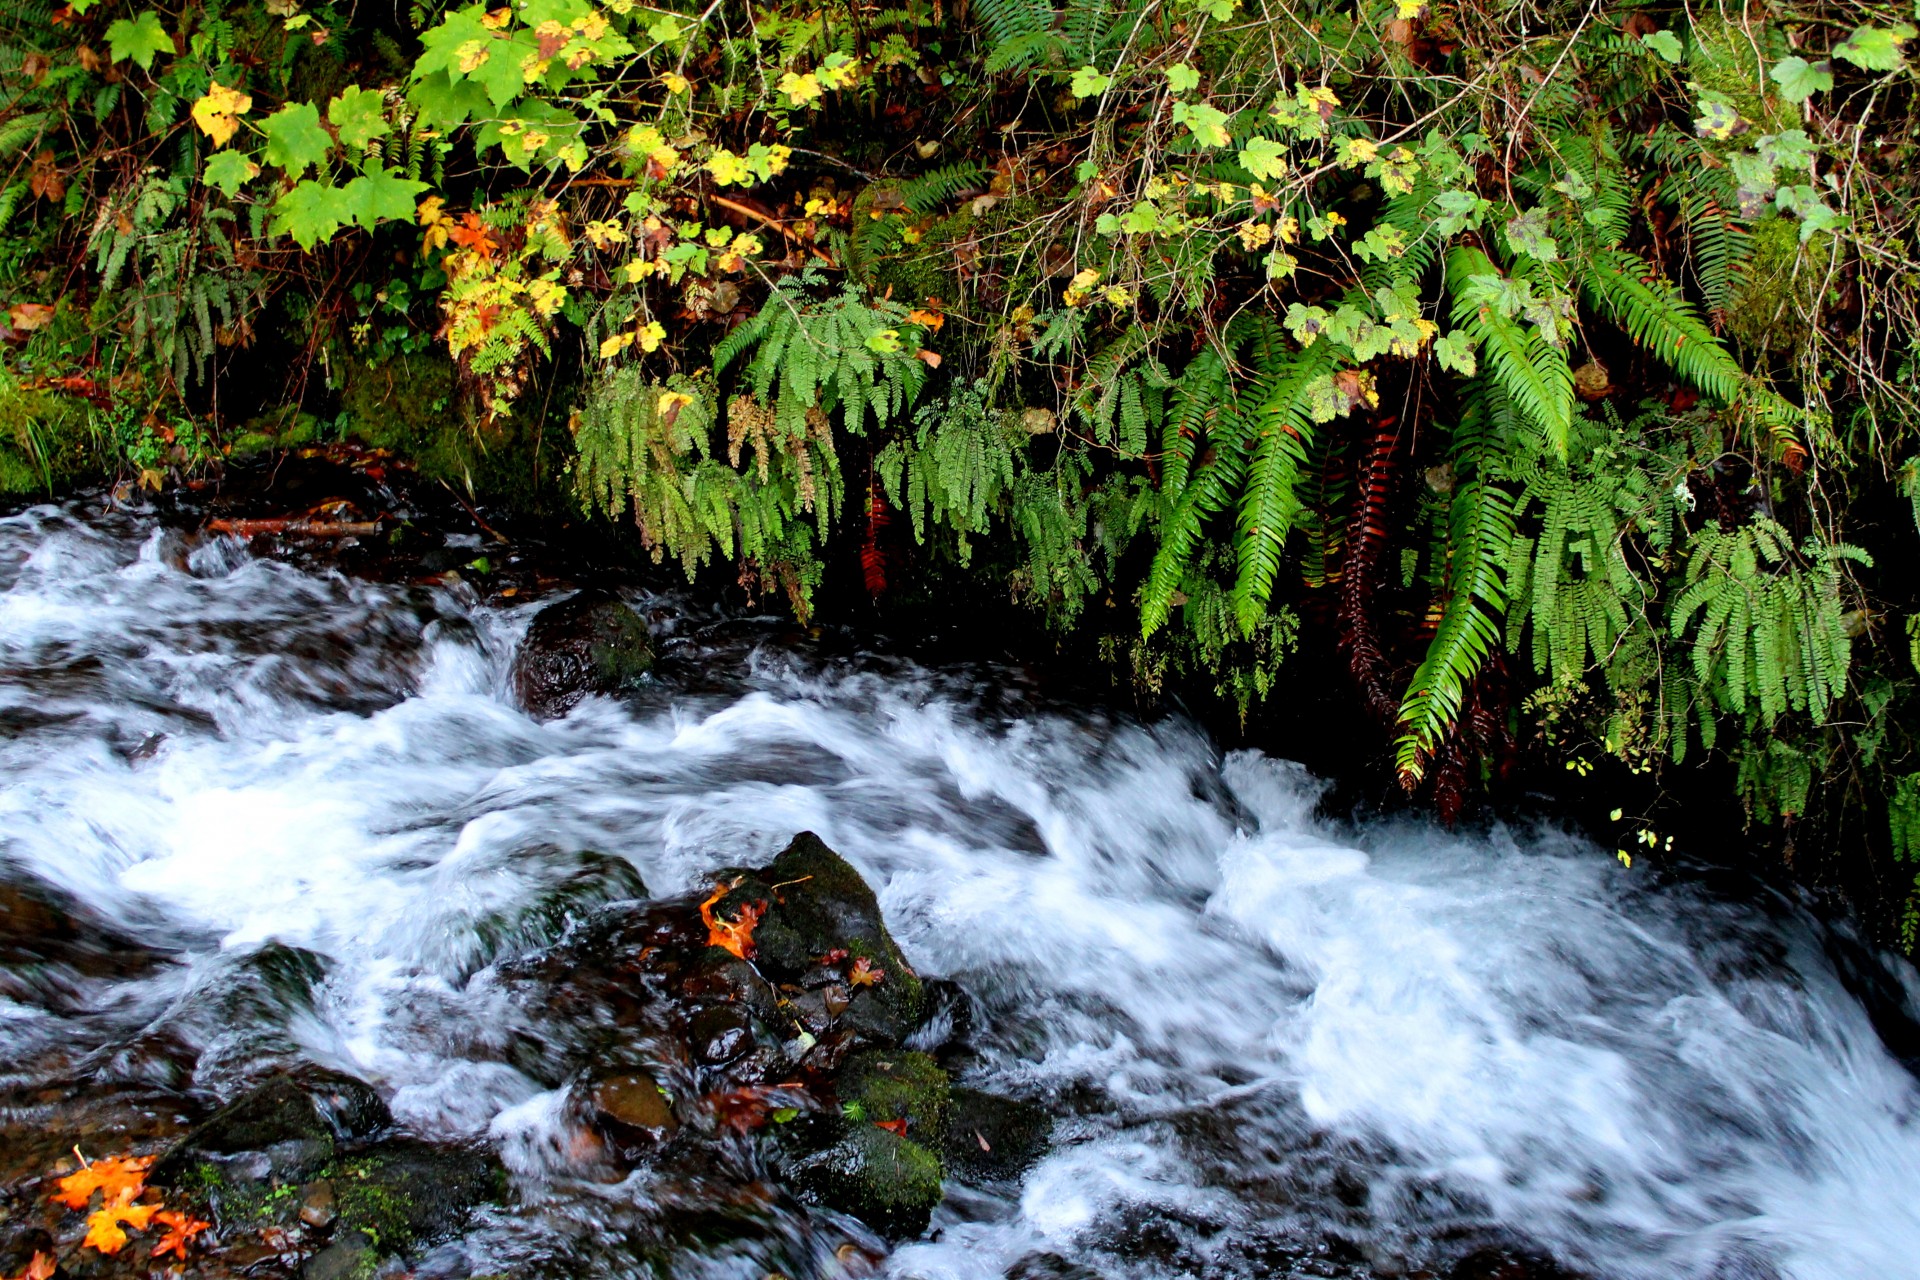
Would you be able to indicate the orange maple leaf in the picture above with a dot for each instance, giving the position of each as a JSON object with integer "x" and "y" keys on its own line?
{"x": 181, "y": 1228}
{"x": 733, "y": 935}
{"x": 104, "y": 1230}
{"x": 865, "y": 974}
{"x": 931, "y": 319}
{"x": 473, "y": 235}
{"x": 897, "y": 1127}
{"x": 40, "y": 1267}
{"x": 119, "y": 1177}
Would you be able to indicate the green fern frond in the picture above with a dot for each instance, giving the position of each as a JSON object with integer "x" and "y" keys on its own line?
{"x": 1532, "y": 371}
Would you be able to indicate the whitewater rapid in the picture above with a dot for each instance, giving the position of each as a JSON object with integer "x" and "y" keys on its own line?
{"x": 1259, "y": 1030}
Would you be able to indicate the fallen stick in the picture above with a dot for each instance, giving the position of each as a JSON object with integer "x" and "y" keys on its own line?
{"x": 295, "y": 524}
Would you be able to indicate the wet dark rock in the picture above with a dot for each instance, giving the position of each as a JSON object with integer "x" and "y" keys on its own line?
{"x": 721, "y": 1034}
{"x": 49, "y": 947}
{"x": 582, "y": 882}
{"x": 1049, "y": 1266}
{"x": 352, "y": 1257}
{"x": 990, "y": 1138}
{"x": 318, "y": 1106}
{"x": 889, "y": 1182}
{"x": 633, "y": 1100}
{"x": 818, "y": 905}
{"x": 589, "y": 643}
{"x": 318, "y": 1207}
{"x": 279, "y": 1134}
{"x": 405, "y": 1194}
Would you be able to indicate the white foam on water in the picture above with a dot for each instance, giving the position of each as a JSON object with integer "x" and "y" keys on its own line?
{"x": 1225, "y": 998}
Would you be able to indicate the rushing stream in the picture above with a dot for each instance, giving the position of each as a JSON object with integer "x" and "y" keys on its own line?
{"x": 1274, "y": 1045}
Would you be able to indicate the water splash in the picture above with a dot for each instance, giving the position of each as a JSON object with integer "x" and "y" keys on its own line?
{"x": 1273, "y": 1044}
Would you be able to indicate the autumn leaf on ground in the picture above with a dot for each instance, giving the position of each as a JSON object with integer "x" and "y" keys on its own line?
{"x": 105, "y": 1231}
{"x": 897, "y": 1127}
{"x": 866, "y": 974}
{"x": 40, "y": 1267}
{"x": 181, "y": 1228}
{"x": 733, "y": 935}
{"x": 119, "y": 1177}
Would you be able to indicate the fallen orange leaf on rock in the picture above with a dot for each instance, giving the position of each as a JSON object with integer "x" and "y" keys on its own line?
{"x": 104, "y": 1229}
{"x": 732, "y": 935}
{"x": 119, "y": 1177}
{"x": 181, "y": 1228}
{"x": 895, "y": 1127}
{"x": 40, "y": 1267}
{"x": 865, "y": 974}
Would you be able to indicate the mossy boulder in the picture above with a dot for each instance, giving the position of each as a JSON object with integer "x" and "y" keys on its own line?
{"x": 404, "y": 1194}
{"x": 245, "y": 1162}
{"x": 889, "y": 1182}
{"x": 887, "y": 1086}
{"x": 817, "y": 904}
{"x": 589, "y": 643}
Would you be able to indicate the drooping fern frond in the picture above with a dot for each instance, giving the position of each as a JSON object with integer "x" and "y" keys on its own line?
{"x": 1628, "y": 291}
{"x": 1200, "y": 425}
{"x": 1480, "y": 539}
{"x": 927, "y": 192}
{"x": 1769, "y": 632}
{"x": 1530, "y": 369}
{"x": 1280, "y": 425}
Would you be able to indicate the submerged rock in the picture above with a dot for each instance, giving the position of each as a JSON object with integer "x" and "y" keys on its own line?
{"x": 590, "y": 643}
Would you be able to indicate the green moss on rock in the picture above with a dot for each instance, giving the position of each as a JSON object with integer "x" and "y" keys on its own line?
{"x": 886, "y": 1085}
{"x": 889, "y": 1182}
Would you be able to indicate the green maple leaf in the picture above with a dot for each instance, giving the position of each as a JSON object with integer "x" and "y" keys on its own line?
{"x": 1305, "y": 323}
{"x": 1090, "y": 82}
{"x": 1528, "y": 234}
{"x": 501, "y": 73}
{"x": 1182, "y": 78}
{"x": 295, "y": 138}
{"x": 1455, "y": 351}
{"x": 442, "y": 44}
{"x": 1264, "y": 158}
{"x": 310, "y": 213}
{"x": 137, "y": 39}
{"x": 229, "y": 171}
{"x": 380, "y": 194}
{"x": 1876, "y": 48}
{"x": 359, "y": 115}
{"x": 1207, "y": 124}
{"x": 445, "y": 103}
{"x": 1789, "y": 150}
{"x": 1664, "y": 43}
{"x": 1799, "y": 79}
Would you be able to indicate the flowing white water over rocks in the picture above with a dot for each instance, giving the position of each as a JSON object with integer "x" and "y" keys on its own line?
{"x": 1259, "y": 1029}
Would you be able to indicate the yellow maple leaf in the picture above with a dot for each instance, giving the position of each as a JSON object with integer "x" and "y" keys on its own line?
{"x": 651, "y": 335}
{"x": 613, "y": 346}
{"x": 675, "y": 82}
{"x": 800, "y": 90}
{"x": 105, "y": 1229}
{"x": 218, "y": 113}
{"x": 498, "y": 18}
